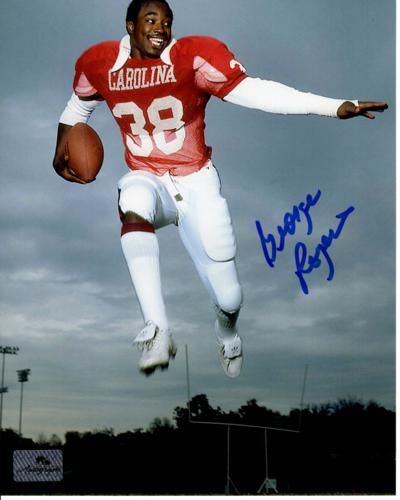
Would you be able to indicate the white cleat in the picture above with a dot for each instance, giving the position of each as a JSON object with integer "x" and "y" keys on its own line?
{"x": 231, "y": 356}
{"x": 231, "y": 352}
{"x": 157, "y": 347}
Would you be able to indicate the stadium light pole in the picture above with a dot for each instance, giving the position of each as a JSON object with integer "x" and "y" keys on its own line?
{"x": 302, "y": 395}
{"x": 4, "y": 350}
{"x": 22, "y": 377}
{"x": 187, "y": 379}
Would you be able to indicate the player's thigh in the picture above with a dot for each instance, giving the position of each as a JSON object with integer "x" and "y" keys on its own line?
{"x": 206, "y": 216}
{"x": 145, "y": 195}
{"x": 206, "y": 230}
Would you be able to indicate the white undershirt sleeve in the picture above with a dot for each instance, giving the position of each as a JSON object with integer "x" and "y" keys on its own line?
{"x": 274, "y": 97}
{"x": 77, "y": 110}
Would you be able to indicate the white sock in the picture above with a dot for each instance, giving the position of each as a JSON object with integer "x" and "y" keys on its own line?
{"x": 141, "y": 253}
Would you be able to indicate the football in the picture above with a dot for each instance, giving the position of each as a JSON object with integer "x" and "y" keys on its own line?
{"x": 85, "y": 151}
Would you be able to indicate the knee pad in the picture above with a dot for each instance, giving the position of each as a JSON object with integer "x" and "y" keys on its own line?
{"x": 230, "y": 299}
{"x": 216, "y": 230}
{"x": 139, "y": 197}
{"x": 225, "y": 284}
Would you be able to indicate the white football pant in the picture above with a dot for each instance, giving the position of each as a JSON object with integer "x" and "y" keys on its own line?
{"x": 193, "y": 203}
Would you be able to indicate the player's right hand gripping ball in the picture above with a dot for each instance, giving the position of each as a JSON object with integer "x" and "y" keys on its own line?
{"x": 85, "y": 151}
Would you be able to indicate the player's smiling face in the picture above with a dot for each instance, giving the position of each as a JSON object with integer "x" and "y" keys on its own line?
{"x": 151, "y": 32}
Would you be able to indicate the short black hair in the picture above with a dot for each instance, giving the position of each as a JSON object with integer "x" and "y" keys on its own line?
{"x": 136, "y": 5}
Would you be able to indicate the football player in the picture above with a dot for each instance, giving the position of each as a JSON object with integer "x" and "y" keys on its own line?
{"x": 157, "y": 89}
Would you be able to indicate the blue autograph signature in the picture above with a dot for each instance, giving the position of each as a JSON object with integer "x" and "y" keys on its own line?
{"x": 303, "y": 266}
{"x": 314, "y": 261}
{"x": 269, "y": 246}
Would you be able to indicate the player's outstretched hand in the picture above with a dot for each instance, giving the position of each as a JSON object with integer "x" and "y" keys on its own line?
{"x": 364, "y": 108}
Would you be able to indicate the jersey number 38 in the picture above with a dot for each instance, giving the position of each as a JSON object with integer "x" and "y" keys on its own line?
{"x": 164, "y": 128}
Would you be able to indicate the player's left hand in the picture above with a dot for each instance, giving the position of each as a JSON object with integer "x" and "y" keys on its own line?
{"x": 364, "y": 108}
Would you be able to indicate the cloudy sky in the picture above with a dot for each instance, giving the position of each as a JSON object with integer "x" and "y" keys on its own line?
{"x": 66, "y": 297}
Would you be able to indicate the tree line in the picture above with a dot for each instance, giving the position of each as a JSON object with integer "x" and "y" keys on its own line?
{"x": 341, "y": 447}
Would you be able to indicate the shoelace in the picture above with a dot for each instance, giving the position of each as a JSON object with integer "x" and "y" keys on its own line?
{"x": 234, "y": 351}
{"x": 146, "y": 345}
{"x": 149, "y": 344}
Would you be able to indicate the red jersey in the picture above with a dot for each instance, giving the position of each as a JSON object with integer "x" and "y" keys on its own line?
{"x": 159, "y": 104}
